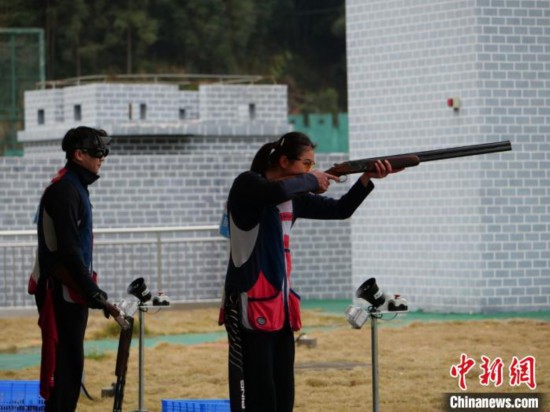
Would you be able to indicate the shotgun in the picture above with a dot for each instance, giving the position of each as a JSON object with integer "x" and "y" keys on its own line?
{"x": 413, "y": 159}
{"x": 122, "y": 363}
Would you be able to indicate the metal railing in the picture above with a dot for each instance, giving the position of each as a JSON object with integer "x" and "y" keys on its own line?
{"x": 186, "y": 263}
{"x": 180, "y": 79}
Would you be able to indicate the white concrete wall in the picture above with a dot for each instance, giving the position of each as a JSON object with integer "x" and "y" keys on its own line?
{"x": 470, "y": 234}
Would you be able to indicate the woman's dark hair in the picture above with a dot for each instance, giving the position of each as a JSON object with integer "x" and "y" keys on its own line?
{"x": 291, "y": 145}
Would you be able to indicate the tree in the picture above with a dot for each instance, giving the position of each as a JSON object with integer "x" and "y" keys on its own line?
{"x": 133, "y": 30}
{"x": 297, "y": 42}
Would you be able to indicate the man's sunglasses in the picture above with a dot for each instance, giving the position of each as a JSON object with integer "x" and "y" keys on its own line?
{"x": 98, "y": 153}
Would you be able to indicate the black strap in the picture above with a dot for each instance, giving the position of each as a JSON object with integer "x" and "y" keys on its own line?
{"x": 86, "y": 392}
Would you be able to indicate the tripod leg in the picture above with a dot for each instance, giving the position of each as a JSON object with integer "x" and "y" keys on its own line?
{"x": 374, "y": 344}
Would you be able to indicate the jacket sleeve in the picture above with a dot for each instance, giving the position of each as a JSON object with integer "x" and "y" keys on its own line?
{"x": 313, "y": 206}
{"x": 63, "y": 205}
{"x": 251, "y": 192}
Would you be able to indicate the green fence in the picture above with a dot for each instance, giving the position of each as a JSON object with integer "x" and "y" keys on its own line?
{"x": 329, "y": 131}
{"x": 21, "y": 67}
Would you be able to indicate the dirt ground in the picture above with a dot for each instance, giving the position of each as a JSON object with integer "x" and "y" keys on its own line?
{"x": 414, "y": 361}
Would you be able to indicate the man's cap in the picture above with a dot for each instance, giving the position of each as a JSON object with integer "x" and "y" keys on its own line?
{"x": 84, "y": 137}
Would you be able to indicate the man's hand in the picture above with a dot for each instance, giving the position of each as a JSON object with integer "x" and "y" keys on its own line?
{"x": 99, "y": 299}
{"x": 323, "y": 179}
{"x": 383, "y": 168}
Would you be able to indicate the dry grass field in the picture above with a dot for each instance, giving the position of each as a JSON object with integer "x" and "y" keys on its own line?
{"x": 414, "y": 360}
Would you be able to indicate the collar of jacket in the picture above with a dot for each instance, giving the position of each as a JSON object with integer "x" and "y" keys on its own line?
{"x": 84, "y": 175}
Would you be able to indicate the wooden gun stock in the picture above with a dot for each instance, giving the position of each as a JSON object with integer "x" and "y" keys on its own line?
{"x": 116, "y": 313}
{"x": 412, "y": 159}
{"x": 367, "y": 165}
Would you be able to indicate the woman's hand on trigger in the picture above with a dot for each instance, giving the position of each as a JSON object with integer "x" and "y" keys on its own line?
{"x": 323, "y": 179}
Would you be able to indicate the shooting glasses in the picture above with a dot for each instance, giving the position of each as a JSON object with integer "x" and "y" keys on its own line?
{"x": 97, "y": 152}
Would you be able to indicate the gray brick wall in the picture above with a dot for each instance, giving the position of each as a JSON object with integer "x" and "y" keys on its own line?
{"x": 170, "y": 168}
{"x": 219, "y": 103}
{"x": 154, "y": 110}
{"x": 50, "y": 102}
{"x": 184, "y": 188}
{"x": 464, "y": 235}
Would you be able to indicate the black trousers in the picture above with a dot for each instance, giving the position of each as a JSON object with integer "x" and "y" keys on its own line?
{"x": 268, "y": 369}
{"x": 71, "y": 322}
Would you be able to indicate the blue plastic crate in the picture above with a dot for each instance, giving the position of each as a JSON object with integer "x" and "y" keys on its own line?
{"x": 195, "y": 405}
{"x": 20, "y": 396}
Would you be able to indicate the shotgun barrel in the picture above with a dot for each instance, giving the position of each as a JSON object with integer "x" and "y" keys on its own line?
{"x": 473, "y": 150}
{"x": 413, "y": 159}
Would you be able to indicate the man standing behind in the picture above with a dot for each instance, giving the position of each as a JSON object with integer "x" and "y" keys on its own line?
{"x": 64, "y": 283}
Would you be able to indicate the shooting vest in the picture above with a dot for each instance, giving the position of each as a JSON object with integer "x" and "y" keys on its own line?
{"x": 261, "y": 257}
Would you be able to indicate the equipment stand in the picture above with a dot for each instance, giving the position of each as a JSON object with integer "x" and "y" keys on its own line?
{"x": 142, "y": 308}
{"x": 374, "y": 314}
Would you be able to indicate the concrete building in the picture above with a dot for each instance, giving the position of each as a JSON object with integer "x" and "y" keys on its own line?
{"x": 464, "y": 235}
